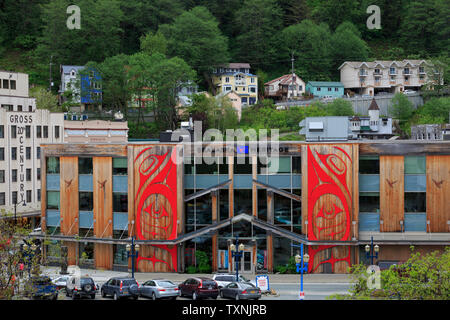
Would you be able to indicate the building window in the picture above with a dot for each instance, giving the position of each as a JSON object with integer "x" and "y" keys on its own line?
{"x": 14, "y": 197}
{"x": 2, "y": 154}
{"x": 53, "y": 165}
{"x": 28, "y": 153}
{"x": 2, "y": 176}
{"x": 415, "y": 202}
{"x": 369, "y": 202}
{"x": 14, "y": 175}
{"x": 120, "y": 166}
{"x": 45, "y": 131}
{"x": 369, "y": 165}
{"x": 38, "y": 173}
{"x": 38, "y": 132}
{"x": 392, "y": 70}
{"x": 415, "y": 164}
{"x": 14, "y": 153}
{"x": 336, "y": 89}
{"x": 13, "y": 132}
{"x": 227, "y": 79}
{"x": 53, "y": 200}
{"x": 28, "y": 196}
{"x": 86, "y": 201}
{"x": 120, "y": 202}
{"x": 421, "y": 70}
{"x": 56, "y": 132}
{"x": 297, "y": 165}
{"x": 12, "y": 84}
{"x": 85, "y": 165}
{"x": 253, "y": 89}
{"x": 5, "y": 84}
{"x": 2, "y": 131}
{"x": 30, "y": 108}
{"x": 28, "y": 174}
{"x": 38, "y": 152}
{"x": 2, "y": 198}
{"x": 318, "y": 89}
{"x": 329, "y": 89}
{"x": 27, "y": 131}
{"x": 38, "y": 194}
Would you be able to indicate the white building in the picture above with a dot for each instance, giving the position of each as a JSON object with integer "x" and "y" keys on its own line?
{"x": 286, "y": 87}
{"x": 385, "y": 76}
{"x": 372, "y": 127}
{"x": 22, "y": 129}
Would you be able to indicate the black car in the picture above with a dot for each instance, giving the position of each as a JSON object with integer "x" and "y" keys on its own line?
{"x": 240, "y": 290}
{"x": 78, "y": 287}
{"x": 121, "y": 288}
{"x": 199, "y": 288}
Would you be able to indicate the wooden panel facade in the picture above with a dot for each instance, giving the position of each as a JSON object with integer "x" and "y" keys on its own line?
{"x": 103, "y": 210}
{"x": 438, "y": 193}
{"x": 69, "y": 195}
{"x": 392, "y": 181}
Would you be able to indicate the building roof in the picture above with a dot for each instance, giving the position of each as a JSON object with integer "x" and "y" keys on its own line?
{"x": 66, "y": 69}
{"x": 325, "y": 84}
{"x": 384, "y": 63}
{"x": 235, "y": 65}
{"x": 374, "y": 105}
{"x": 284, "y": 79}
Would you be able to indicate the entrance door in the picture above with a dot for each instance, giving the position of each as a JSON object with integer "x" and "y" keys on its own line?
{"x": 246, "y": 261}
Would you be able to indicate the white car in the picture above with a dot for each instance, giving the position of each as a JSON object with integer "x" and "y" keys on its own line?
{"x": 60, "y": 282}
{"x": 224, "y": 279}
{"x": 409, "y": 91}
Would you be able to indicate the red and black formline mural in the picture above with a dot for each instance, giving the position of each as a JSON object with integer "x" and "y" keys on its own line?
{"x": 330, "y": 178}
{"x": 156, "y": 206}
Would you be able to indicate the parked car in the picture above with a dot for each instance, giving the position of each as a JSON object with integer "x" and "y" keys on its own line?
{"x": 42, "y": 288}
{"x": 60, "y": 282}
{"x": 385, "y": 265}
{"x": 199, "y": 288}
{"x": 81, "y": 287}
{"x": 121, "y": 288}
{"x": 224, "y": 279}
{"x": 159, "y": 288}
{"x": 409, "y": 91}
{"x": 240, "y": 290}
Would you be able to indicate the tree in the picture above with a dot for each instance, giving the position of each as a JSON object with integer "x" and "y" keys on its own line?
{"x": 334, "y": 12}
{"x": 257, "y": 24}
{"x": 311, "y": 45}
{"x": 154, "y": 43}
{"x": 294, "y": 11}
{"x": 195, "y": 37}
{"x": 347, "y": 45}
{"x": 339, "y": 107}
{"x": 435, "y": 110}
{"x": 402, "y": 109}
{"x": 45, "y": 99}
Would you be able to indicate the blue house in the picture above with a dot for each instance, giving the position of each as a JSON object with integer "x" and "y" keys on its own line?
{"x": 325, "y": 89}
{"x": 84, "y": 83}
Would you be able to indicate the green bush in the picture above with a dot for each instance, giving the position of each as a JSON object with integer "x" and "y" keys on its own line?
{"x": 203, "y": 263}
{"x": 191, "y": 269}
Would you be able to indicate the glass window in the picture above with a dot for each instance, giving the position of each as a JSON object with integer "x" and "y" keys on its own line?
{"x": 242, "y": 201}
{"x": 14, "y": 175}
{"x": 85, "y": 165}
{"x": 242, "y": 229}
{"x": 369, "y": 202}
{"x": 120, "y": 202}
{"x": 262, "y": 204}
{"x": 53, "y": 200}
{"x": 13, "y": 132}
{"x": 369, "y": 165}
{"x": 223, "y": 204}
{"x": 13, "y": 84}
{"x": 2, "y": 198}
{"x": 415, "y": 164}
{"x": 2, "y": 176}
{"x": 2, "y": 131}
{"x": 28, "y": 196}
{"x": 28, "y": 131}
{"x": 203, "y": 211}
{"x": 38, "y": 173}
{"x": 202, "y": 166}
{"x": 38, "y": 132}
{"x": 2, "y": 154}
{"x": 189, "y": 167}
{"x": 38, "y": 194}
{"x": 14, "y": 197}
{"x": 28, "y": 174}
{"x": 282, "y": 209}
{"x": 86, "y": 201}
{"x": 13, "y": 153}
{"x": 120, "y": 254}
{"x": 45, "y": 131}
{"x": 242, "y": 165}
{"x": 38, "y": 152}
{"x": 53, "y": 165}
{"x": 28, "y": 153}
{"x": 281, "y": 251}
{"x": 415, "y": 202}
{"x": 57, "y": 132}
{"x": 280, "y": 165}
{"x": 120, "y": 166}
{"x": 297, "y": 165}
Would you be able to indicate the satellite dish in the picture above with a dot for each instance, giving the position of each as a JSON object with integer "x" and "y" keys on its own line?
{"x": 118, "y": 115}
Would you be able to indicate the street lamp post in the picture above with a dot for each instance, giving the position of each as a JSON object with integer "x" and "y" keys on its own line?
{"x": 15, "y": 209}
{"x": 133, "y": 252}
{"x": 301, "y": 261}
{"x": 237, "y": 252}
{"x": 370, "y": 251}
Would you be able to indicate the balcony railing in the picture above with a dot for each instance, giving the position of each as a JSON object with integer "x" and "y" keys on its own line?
{"x": 240, "y": 83}
{"x": 378, "y": 73}
{"x": 407, "y": 72}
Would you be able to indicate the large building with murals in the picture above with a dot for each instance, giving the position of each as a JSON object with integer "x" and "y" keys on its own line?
{"x": 331, "y": 196}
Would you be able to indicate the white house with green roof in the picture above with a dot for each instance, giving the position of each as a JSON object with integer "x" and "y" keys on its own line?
{"x": 325, "y": 89}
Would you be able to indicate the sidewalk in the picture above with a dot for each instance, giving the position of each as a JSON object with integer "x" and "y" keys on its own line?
{"x": 101, "y": 276}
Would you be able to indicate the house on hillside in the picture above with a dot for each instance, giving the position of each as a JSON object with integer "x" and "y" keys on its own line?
{"x": 286, "y": 87}
{"x": 370, "y": 78}
{"x": 372, "y": 127}
{"x": 325, "y": 89}
{"x": 236, "y": 77}
{"x": 85, "y": 86}
{"x": 235, "y": 100}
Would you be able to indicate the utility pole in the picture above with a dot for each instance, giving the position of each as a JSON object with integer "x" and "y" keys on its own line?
{"x": 50, "y": 84}
{"x": 293, "y": 76}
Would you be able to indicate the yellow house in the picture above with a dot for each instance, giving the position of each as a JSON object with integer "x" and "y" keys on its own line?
{"x": 236, "y": 77}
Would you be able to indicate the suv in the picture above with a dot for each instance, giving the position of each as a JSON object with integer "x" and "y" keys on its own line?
{"x": 199, "y": 288}
{"x": 80, "y": 287}
{"x": 121, "y": 288}
{"x": 224, "y": 279}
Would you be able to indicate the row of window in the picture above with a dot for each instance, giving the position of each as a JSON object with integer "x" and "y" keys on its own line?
{"x": 41, "y": 132}
{"x": 243, "y": 165}
{"x": 8, "y": 84}
{"x": 14, "y": 153}
{"x": 86, "y": 201}
{"x": 14, "y": 175}
{"x": 250, "y": 89}
{"x": 412, "y": 165}
{"x": 413, "y": 202}
{"x": 14, "y": 194}
{"x": 20, "y": 108}
{"x": 85, "y": 166}
{"x": 336, "y": 89}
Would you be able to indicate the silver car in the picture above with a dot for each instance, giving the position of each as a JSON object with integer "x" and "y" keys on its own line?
{"x": 158, "y": 289}
{"x": 240, "y": 290}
